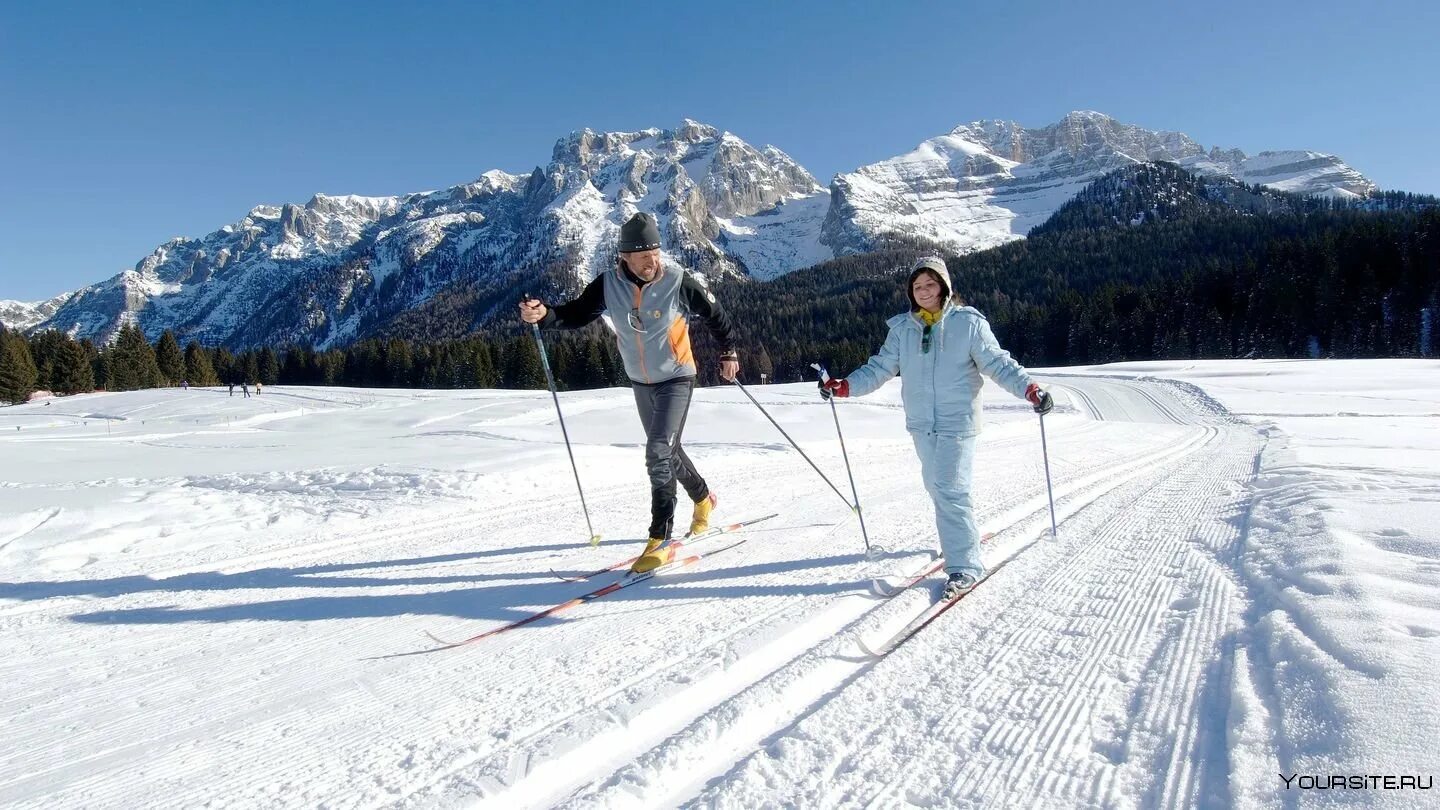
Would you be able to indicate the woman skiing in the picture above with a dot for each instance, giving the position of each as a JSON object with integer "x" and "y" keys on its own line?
{"x": 940, "y": 349}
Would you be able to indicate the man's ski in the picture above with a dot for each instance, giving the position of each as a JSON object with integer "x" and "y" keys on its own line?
{"x": 686, "y": 540}
{"x": 623, "y": 582}
{"x": 920, "y": 622}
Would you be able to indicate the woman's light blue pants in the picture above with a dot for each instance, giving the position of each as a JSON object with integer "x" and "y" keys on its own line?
{"x": 946, "y": 465}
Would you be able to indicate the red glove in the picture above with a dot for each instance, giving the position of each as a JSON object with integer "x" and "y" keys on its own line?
{"x": 1039, "y": 398}
{"x": 834, "y": 388}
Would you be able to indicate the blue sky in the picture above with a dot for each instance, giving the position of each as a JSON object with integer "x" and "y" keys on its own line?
{"x": 127, "y": 124}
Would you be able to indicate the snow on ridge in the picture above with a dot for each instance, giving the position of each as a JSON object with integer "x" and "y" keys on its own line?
{"x": 991, "y": 181}
{"x": 787, "y": 235}
{"x": 720, "y": 200}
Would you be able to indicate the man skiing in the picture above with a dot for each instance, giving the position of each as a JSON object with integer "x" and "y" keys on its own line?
{"x": 650, "y": 300}
{"x": 940, "y": 349}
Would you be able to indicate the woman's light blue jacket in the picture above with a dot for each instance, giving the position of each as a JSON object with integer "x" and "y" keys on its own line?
{"x": 941, "y": 387}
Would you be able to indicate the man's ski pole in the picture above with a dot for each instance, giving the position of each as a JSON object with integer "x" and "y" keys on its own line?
{"x": 1048, "y": 489}
{"x": 550, "y": 380}
{"x": 864, "y": 535}
{"x": 840, "y": 495}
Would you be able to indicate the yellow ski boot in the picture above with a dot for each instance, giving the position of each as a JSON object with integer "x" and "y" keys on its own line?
{"x": 657, "y": 552}
{"x": 700, "y": 519}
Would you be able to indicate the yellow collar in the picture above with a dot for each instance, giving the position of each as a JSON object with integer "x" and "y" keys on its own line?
{"x": 929, "y": 318}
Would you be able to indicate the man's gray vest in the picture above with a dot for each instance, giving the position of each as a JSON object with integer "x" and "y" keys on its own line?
{"x": 651, "y": 325}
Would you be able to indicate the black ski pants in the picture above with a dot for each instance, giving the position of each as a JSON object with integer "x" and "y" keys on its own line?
{"x": 663, "y": 408}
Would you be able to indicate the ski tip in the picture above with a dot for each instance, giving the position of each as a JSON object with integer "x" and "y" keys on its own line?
{"x": 442, "y": 642}
{"x": 865, "y": 648}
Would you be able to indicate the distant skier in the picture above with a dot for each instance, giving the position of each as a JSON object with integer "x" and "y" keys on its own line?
{"x": 940, "y": 348}
{"x": 184, "y": 385}
{"x": 257, "y": 388}
{"x": 245, "y": 386}
{"x": 651, "y": 300}
{"x": 232, "y": 388}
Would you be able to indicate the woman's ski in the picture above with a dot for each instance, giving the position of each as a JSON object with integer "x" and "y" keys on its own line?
{"x": 920, "y": 622}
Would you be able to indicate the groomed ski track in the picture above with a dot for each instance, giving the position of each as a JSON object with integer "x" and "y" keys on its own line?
{"x": 1093, "y": 670}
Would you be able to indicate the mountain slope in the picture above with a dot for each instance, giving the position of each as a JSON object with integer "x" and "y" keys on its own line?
{"x": 991, "y": 182}
{"x": 340, "y": 268}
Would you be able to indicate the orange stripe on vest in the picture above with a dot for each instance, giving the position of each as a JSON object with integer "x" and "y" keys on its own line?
{"x": 680, "y": 342}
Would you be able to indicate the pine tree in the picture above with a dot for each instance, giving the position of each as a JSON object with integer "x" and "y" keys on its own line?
{"x": 73, "y": 373}
{"x": 484, "y": 364}
{"x": 169, "y": 359}
{"x": 399, "y": 364}
{"x": 224, "y": 364}
{"x": 197, "y": 366}
{"x": 522, "y": 365}
{"x": 331, "y": 367}
{"x": 300, "y": 366}
{"x": 562, "y": 367}
{"x": 17, "y": 368}
{"x": 364, "y": 366}
{"x": 614, "y": 366}
{"x": 250, "y": 367}
{"x": 593, "y": 373}
{"x": 764, "y": 366}
{"x": 130, "y": 364}
{"x": 45, "y": 349}
{"x": 447, "y": 372}
{"x": 268, "y": 366}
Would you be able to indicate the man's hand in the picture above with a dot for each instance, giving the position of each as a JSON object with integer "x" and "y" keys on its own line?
{"x": 532, "y": 310}
{"x": 729, "y": 369}
{"x": 834, "y": 388}
{"x": 1039, "y": 398}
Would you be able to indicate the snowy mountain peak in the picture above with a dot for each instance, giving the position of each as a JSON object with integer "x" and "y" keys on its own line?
{"x": 353, "y": 205}
{"x": 701, "y": 182}
{"x": 24, "y": 315}
{"x": 496, "y": 180}
{"x": 1299, "y": 171}
{"x": 989, "y": 182}
{"x": 340, "y": 267}
{"x": 694, "y": 132}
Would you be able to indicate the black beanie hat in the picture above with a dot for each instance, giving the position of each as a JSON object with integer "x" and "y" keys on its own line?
{"x": 639, "y": 233}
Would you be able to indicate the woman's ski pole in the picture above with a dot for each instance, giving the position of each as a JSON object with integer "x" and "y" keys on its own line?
{"x": 825, "y": 377}
{"x": 1048, "y": 489}
{"x": 842, "y": 497}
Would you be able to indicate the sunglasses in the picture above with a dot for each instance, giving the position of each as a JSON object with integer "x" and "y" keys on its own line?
{"x": 925, "y": 340}
{"x": 635, "y": 322}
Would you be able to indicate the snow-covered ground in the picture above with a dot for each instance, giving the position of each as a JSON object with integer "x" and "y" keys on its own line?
{"x": 202, "y": 599}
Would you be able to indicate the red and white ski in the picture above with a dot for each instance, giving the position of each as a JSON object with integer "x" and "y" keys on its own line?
{"x": 623, "y": 582}
{"x": 686, "y": 540}
{"x": 934, "y": 611}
